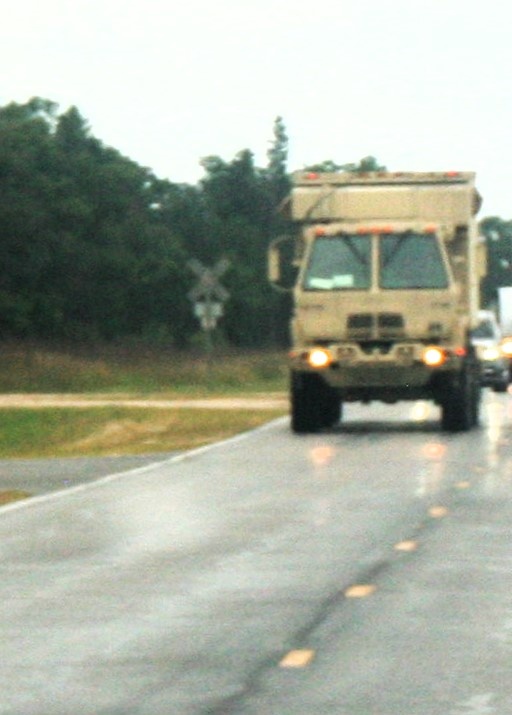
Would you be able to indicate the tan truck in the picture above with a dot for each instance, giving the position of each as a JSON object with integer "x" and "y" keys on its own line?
{"x": 386, "y": 293}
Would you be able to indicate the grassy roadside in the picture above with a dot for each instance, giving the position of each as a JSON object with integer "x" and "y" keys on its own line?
{"x": 139, "y": 370}
{"x": 68, "y": 432}
{"x": 136, "y": 373}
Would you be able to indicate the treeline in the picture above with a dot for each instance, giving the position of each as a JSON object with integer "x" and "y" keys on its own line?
{"x": 96, "y": 247}
{"x": 497, "y": 233}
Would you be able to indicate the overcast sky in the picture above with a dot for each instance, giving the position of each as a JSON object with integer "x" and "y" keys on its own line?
{"x": 420, "y": 85}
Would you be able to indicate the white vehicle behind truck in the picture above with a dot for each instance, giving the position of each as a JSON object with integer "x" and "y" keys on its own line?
{"x": 488, "y": 342}
{"x": 505, "y": 310}
{"x": 505, "y": 321}
{"x": 386, "y": 295}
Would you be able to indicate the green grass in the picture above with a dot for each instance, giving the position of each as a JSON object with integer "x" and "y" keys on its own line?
{"x": 65, "y": 432}
{"x": 10, "y": 495}
{"x": 138, "y": 369}
{"x": 138, "y": 372}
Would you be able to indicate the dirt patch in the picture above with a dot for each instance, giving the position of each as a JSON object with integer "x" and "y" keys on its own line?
{"x": 256, "y": 402}
{"x": 10, "y": 495}
{"x": 122, "y": 433}
{"x": 38, "y": 425}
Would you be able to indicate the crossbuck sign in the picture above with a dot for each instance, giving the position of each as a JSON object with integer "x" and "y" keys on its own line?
{"x": 208, "y": 295}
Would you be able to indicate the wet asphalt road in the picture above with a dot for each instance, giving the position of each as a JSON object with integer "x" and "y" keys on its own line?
{"x": 40, "y": 476}
{"x": 363, "y": 571}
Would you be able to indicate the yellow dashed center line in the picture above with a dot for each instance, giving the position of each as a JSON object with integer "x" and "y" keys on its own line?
{"x": 303, "y": 657}
{"x": 437, "y": 512}
{"x": 360, "y": 590}
{"x": 406, "y": 546}
{"x": 297, "y": 659}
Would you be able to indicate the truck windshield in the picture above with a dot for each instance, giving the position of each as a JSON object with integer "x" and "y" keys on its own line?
{"x": 411, "y": 260}
{"x": 339, "y": 263}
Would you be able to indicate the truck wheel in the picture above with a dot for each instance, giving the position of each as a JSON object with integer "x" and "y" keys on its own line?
{"x": 330, "y": 407}
{"x": 303, "y": 403}
{"x": 477, "y": 397}
{"x": 456, "y": 416}
{"x": 314, "y": 405}
{"x": 501, "y": 386}
{"x": 459, "y": 411}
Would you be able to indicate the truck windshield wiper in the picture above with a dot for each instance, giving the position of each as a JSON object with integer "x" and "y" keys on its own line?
{"x": 349, "y": 240}
{"x": 402, "y": 238}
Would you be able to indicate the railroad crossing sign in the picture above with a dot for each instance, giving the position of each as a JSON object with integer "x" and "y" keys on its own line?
{"x": 208, "y": 295}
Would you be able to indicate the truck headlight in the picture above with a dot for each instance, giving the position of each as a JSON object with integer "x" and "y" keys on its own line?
{"x": 491, "y": 353}
{"x": 433, "y": 356}
{"x": 318, "y": 358}
{"x": 506, "y": 347}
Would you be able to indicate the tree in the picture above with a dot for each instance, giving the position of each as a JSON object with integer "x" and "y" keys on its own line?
{"x": 95, "y": 246}
{"x": 26, "y": 153}
{"x": 240, "y": 209}
{"x": 365, "y": 165}
{"x": 72, "y": 133}
{"x": 328, "y": 166}
{"x": 498, "y": 239}
{"x": 84, "y": 252}
{"x": 277, "y": 154}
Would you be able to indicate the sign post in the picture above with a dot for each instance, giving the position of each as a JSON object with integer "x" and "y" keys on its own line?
{"x": 208, "y": 296}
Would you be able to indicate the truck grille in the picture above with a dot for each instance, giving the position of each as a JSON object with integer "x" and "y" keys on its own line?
{"x": 368, "y": 326}
{"x": 360, "y": 326}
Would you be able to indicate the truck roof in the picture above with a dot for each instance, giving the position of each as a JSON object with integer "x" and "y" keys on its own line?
{"x": 311, "y": 178}
{"x": 445, "y": 197}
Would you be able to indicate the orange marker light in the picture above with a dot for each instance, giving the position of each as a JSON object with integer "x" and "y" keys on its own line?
{"x": 376, "y": 230}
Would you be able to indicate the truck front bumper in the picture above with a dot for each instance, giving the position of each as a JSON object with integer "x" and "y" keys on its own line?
{"x": 402, "y": 371}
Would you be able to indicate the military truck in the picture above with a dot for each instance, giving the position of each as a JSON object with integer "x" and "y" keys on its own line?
{"x": 388, "y": 269}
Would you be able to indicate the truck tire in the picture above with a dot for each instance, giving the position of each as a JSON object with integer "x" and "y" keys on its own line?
{"x": 461, "y": 405}
{"x": 304, "y": 413}
{"x": 331, "y": 408}
{"x": 501, "y": 386}
{"x": 456, "y": 415}
{"x": 477, "y": 396}
{"x": 314, "y": 405}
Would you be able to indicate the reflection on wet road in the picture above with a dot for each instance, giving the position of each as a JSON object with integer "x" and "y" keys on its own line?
{"x": 362, "y": 571}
